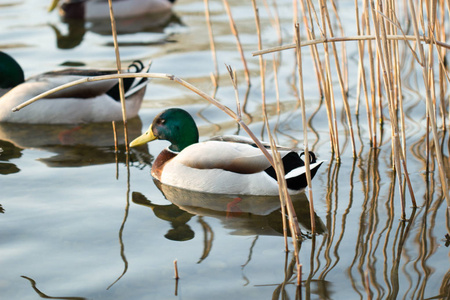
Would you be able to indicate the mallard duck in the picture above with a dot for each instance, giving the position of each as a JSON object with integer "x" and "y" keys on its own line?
{"x": 85, "y": 103}
{"x": 222, "y": 165}
{"x": 99, "y": 9}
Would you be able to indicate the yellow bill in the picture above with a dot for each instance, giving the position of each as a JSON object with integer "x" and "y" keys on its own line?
{"x": 53, "y": 5}
{"x": 148, "y": 136}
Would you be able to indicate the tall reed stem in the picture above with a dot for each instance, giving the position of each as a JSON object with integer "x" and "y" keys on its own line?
{"x": 119, "y": 71}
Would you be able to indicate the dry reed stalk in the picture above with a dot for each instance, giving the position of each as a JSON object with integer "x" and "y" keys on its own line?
{"x": 430, "y": 63}
{"x": 366, "y": 21}
{"x": 386, "y": 66}
{"x": 362, "y": 77}
{"x": 283, "y": 205}
{"x": 285, "y": 200}
{"x": 358, "y": 87}
{"x": 329, "y": 82}
{"x": 324, "y": 86}
{"x": 402, "y": 116}
{"x": 236, "y": 92}
{"x": 119, "y": 71}
{"x": 398, "y": 98}
{"x": 379, "y": 86}
{"x": 318, "y": 68}
{"x": 443, "y": 85}
{"x": 284, "y": 195}
{"x": 261, "y": 61}
{"x": 444, "y": 79}
{"x": 305, "y": 132}
{"x": 342, "y": 82}
{"x": 367, "y": 37}
{"x": 279, "y": 169}
{"x": 175, "y": 266}
{"x": 277, "y": 87}
{"x": 310, "y": 34}
{"x": 238, "y": 41}
{"x": 277, "y": 164}
{"x": 343, "y": 48}
{"x": 215, "y": 77}
{"x": 295, "y": 11}
{"x": 361, "y": 72}
{"x": 299, "y": 277}
{"x": 326, "y": 91}
{"x": 429, "y": 104}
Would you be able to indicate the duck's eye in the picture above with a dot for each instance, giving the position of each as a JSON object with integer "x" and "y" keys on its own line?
{"x": 161, "y": 122}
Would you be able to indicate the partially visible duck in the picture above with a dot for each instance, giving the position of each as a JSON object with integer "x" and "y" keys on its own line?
{"x": 223, "y": 165}
{"x": 88, "y": 102}
{"x": 99, "y": 9}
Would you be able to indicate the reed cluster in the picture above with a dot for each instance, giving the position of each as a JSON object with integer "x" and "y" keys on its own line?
{"x": 383, "y": 29}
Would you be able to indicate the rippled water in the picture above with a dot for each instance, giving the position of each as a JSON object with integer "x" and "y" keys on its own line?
{"x": 74, "y": 224}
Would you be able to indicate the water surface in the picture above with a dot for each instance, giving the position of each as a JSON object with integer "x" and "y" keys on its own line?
{"x": 77, "y": 223}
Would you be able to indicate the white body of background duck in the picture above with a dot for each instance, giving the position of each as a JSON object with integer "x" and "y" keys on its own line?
{"x": 99, "y": 9}
{"x": 89, "y": 102}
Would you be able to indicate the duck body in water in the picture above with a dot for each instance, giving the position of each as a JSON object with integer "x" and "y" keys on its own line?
{"x": 97, "y": 101}
{"x": 222, "y": 165}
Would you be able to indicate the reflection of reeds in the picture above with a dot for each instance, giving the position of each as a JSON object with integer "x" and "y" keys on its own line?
{"x": 43, "y": 295}
{"x": 122, "y": 226}
{"x": 305, "y": 132}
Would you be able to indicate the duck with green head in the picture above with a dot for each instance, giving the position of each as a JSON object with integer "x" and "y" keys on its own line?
{"x": 222, "y": 165}
{"x": 97, "y": 101}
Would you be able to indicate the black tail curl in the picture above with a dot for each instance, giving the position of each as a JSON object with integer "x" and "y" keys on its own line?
{"x": 135, "y": 67}
{"x": 312, "y": 157}
{"x": 292, "y": 161}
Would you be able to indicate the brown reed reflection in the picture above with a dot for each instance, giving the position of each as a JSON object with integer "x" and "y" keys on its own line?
{"x": 310, "y": 287}
{"x": 122, "y": 226}
{"x": 45, "y": 296}
{"x": 392, "y": 256}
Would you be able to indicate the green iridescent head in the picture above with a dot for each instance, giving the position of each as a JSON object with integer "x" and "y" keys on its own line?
{"x": 174, "y": 125}
{"x": 11, "y": 73}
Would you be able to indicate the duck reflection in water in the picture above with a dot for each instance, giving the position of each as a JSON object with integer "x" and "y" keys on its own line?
{"x": 177, "y": 218}
{"x": 74, "y": 145}
{"x": 243, "y": 215}
{"x": 8, "y": 151}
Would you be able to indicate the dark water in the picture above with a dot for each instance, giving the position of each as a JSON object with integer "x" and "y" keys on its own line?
{"x": 70, "y": 229}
